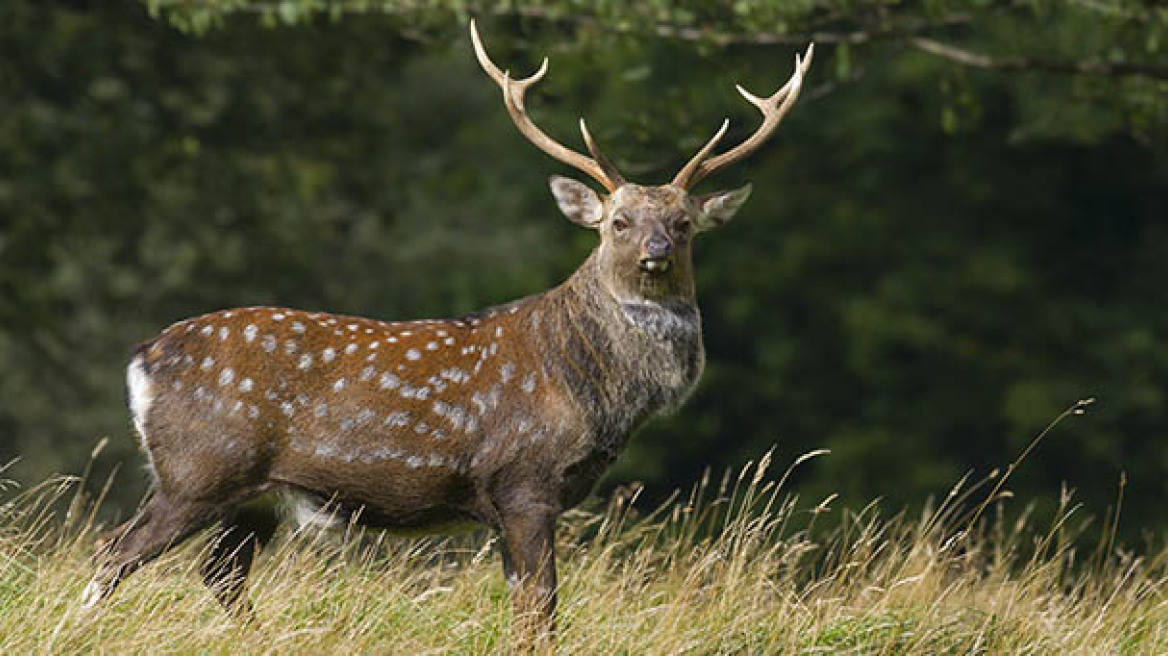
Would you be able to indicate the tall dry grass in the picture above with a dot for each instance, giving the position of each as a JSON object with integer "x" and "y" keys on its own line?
{"x": 738, "y": 566}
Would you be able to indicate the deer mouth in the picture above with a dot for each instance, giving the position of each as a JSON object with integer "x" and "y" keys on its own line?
{"x": 654, "y": 265}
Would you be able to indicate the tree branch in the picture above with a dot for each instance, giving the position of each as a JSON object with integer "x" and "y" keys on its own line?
{"x": 979, "y": 60}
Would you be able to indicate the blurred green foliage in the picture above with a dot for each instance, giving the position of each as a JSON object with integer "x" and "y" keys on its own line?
{"x": 937, "y": 259}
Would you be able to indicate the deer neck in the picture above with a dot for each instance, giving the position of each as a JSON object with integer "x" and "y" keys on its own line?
{"x": 625, "y": 356}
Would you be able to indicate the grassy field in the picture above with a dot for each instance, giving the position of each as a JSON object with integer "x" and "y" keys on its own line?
{"x": 738, "y": 566}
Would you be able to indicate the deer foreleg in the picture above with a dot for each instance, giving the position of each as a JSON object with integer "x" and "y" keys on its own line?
{"x": 529, "y": 563}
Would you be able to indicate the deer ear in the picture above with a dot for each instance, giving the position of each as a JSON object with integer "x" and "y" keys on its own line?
{"x": 577, "y": 201}
{"x": 718, "y": 208}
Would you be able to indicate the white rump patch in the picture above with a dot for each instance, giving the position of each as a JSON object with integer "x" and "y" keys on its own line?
{"x": 141, "y": 393}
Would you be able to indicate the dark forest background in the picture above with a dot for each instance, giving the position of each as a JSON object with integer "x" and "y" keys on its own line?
{"x": 959, "y": 231}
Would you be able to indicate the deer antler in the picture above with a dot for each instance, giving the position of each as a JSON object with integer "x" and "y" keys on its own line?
{"x": 773, "y": 110}
{"x": 597, "y": 166}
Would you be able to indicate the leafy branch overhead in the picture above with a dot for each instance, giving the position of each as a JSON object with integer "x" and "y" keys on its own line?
{"x": 1112, "y": 38}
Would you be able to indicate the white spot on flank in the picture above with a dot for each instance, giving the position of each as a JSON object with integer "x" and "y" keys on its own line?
{"x": 298, "y": 327}
{"x": 432, "y": 346}
{"x": 305, "y": 361}
{"x": 350, "y": 349}
{"x": 391, "y": 339}
{"x": 389, "y": 381}
{"x": 321, "y": 409}
{"x": 208, "y": 362}
{"x": 226, "y": 376}
{"x": 286, "y": 408}
{"x": 329, "y": 353}
{"x": 374, "y": 345}
{"x": 253, "y": 412}
{"x": 291, "y": 347}
{"x": 246, "y": 385}
{"x": 397, "y": 419}
{"x": 449, "y": 341}
{"x": 339, "y": 385}
{"x": 507, "y": 371}
{"x": 249, "y": 333}
{"x": 406, "y": 333}
{"x": 278, "y": 316}
{"x": 207, "y": 330}
{"x": 528, "y": 384}
{"x": 413, "y": 354}
{"x": 368, "y": 373}
{"x": 498, "y": 331}
{"x": 223, "y": 333}
{"x": 352, "y": 327}
{"x": 269, "y": 343}
{"x": 236, "y": 407}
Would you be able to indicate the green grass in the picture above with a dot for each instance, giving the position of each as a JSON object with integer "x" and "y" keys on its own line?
{"x": 738, "y": 567}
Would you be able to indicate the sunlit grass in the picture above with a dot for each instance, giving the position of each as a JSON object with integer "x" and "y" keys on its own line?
{"x": 740, "y": 565}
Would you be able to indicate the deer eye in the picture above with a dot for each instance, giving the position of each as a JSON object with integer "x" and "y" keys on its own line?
{"x": 619, "y": 224}
{"x": 683, "y": 226}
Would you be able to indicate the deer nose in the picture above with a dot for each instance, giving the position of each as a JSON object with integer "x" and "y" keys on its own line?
{"x": 655, "y": 255}
{"x": 658, "y": 247}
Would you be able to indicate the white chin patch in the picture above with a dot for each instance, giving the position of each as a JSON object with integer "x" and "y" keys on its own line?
{"x": 657, "y": 266}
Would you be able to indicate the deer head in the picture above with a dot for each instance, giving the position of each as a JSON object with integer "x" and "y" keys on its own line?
{"x": 645, "y": 232}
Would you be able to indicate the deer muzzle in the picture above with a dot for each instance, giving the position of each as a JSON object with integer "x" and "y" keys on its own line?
{"x": 656, "y": 254}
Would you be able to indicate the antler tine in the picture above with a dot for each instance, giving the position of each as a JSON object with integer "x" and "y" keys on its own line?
{"x": 604, "y": 162}
{"x": 773, "y": 108}
{"x": 600, "y": 169}
{"x": 688, "y": 170}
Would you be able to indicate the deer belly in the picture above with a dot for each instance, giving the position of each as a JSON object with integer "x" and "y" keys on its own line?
{"x": 394, "y": 494}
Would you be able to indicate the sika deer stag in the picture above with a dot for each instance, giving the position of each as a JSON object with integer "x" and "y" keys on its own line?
{"x": 504, "y": 418}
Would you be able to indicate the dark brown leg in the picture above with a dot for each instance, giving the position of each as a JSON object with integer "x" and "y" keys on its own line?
{"x": 529, "y": 563}
{"x": 240, "y": 537}
{"x": 162, "y": 523}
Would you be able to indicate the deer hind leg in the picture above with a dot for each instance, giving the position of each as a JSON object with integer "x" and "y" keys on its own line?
{"x": 239, "y": 538}
{"x": 162, "y": 523}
